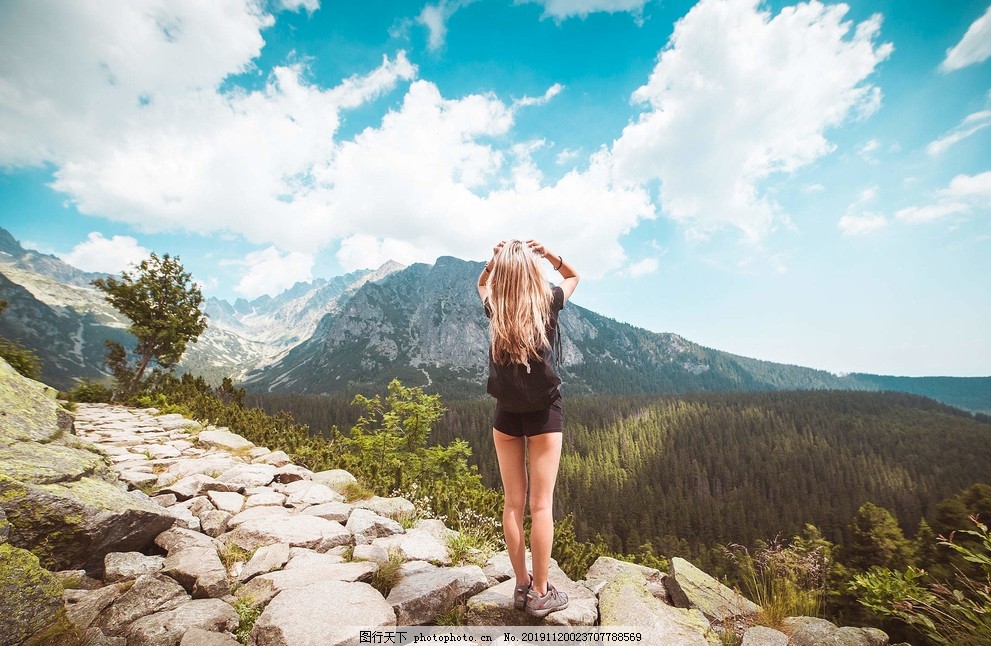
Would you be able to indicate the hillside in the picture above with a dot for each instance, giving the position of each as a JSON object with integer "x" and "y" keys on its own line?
{"x": 422, "y": 324}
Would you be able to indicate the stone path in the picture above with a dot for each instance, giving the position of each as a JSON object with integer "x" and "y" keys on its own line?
{"x": 256, "y": 534}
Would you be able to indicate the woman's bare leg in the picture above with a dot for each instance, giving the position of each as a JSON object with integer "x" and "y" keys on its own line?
{"x": 512, "y": 468}
{"x": 545, "y": 458}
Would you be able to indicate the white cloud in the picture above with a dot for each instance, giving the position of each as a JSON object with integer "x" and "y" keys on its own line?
{"x": 642, "y": 268}
{"x": 974, "y": 47}
{"x": 551, "y": 92}
{"x": 867, "y": 149}
{"x": 435, "y": 17}
{"x": 110, "y": 256}
{"x": 563, "y": 9}
{"x": 971, "y": 124}
{"x": 862, "y": 224}
{"x": 566, "y": 156}
{"x": 738, "y": 95}
{"x": 270, "y": 271}
{"x": 964, "y": 195}
{"x": 296, "y": 5}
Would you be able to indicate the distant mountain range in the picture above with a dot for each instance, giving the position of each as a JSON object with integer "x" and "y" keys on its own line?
{"x": 422, "y": 324}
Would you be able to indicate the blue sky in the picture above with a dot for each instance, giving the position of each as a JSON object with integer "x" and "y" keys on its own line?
{"x": 808, "y": 183}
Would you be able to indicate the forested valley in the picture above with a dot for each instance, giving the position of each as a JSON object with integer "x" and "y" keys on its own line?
{"x": 691, "y": 472}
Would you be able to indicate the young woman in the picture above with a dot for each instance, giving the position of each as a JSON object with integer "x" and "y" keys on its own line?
{"x": 523, "y": 310}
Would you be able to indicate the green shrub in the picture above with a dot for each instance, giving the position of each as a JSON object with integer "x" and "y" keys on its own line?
{"x": 957, "y": 612}
{"x": 20, "y": 359}
{"x": 89, "y": 392}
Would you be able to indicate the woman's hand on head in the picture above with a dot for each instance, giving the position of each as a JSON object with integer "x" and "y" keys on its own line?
{"x": 537, "y": 248}
{"x": 495, "y": 249}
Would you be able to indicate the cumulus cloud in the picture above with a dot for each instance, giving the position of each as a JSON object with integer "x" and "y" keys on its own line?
{"x": 971, "y": 124}
{"x": 563, "y": 9}
{"x": 974, "y": 47}
{"x": 739, "y": 94}
{"x": 101, "y": 254}
{"x": 964, "y": 195}
{"x": 271, "y": 271}
{"x": 296, "y": 5}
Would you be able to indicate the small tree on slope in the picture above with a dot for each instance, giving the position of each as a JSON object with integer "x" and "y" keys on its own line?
{"x": 163, "y": 305}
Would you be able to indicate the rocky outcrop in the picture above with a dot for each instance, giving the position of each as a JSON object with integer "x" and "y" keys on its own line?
{"x": 60, "y": 494}
{"x": 273, "y": 541}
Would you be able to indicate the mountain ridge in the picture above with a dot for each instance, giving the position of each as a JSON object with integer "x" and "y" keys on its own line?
{"x": 422, "y": 324}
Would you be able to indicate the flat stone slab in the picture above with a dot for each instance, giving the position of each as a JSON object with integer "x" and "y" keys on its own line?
{"x": 298, "y": 531}
{"x": 423, "y": 596}
{"x": 224, "y": 440}
{"x": 690, "y": 587}
{"x": 289, "y": 619}
{"x": 262, "y": 588}
{"x": 119, "y": 566}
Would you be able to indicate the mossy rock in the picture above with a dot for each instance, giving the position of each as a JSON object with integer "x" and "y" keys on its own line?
{"x": 36, "y": 463}
{"x": 30, "y": 411}
{"x": 30, "y": 596}
{"x": 73, "y": 525}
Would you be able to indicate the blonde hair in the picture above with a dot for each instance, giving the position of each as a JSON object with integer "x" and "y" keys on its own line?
{"x": 520, "y": 302}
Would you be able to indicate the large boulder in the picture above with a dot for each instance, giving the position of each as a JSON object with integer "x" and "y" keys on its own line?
{"x": 29, "y": 595}
{"x": 690, "y": 587}
{"x": 626, "y": 601}
{"x": 424, "y": 595}
{"x": 58, "y": 492}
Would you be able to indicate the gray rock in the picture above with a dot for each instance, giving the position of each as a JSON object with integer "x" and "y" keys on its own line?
{"x": 179, "y": 538}
{"x": 261, "y": 589}
{"x": 421, "y": 597}
{"x": 425, "y": 542}
{"x": 199, "y": 571}
{"x": 275, "y": 458}
{"x": 306, "y": 492}
{"x": 268, "y": 498}
{"x": 289, "y": 473}
{"x": 138, "y": 479}
{"x": 337, "y": 511}
{"x": 764, "y": 636}
{"x": 690, "y": 587}
{"x": 200, "y": 637}
{"x": 165, "y": 499}
{"x": 118, "y": 566}
{"x": 605, "y": 569}
{"x": 214, "y": 523}
{"x": 228, "y": 501}
{"x": 167, "y": 628}
{"x": 215, "y": 464}
{"x": 223, "y": 440}
{"x": 264, "y": 560}
{"x": 267, "y": 513}
{"x": 373, "y": 553}
{"x": 371, "y": 525}
{"x": 84, "y": 606}
{"x": 394, "y": 508}
{"x": 336, "y": 479}
{"x": 290, "y": 621}
{"x": 150, "y": 593}
{"x": 808, "y": 631}
{"x": 625, "y": 601}
{"x": 299, "y": 531}
{"x": 196, "y": 484}
{"x": 84, "y": 519}
{"x": 249, "y": 475}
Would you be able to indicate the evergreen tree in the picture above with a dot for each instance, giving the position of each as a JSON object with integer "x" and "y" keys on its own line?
{"x": 163, "y": 305}
{"x": 877, "y": 540}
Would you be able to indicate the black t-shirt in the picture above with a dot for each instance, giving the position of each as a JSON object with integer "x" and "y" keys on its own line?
{"x": 519, "y": 390}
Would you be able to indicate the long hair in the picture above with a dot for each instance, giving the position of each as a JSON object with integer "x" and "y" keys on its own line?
{"x": 520, "y": 301}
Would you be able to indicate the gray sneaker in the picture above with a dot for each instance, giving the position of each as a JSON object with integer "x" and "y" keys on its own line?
{"x": 520, "y": 594}
{"x": 541, "y": 605}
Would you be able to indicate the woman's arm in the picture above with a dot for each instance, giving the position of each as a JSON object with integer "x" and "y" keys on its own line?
{"x": 561, "y": 266}
{"x": 483, "y": 278}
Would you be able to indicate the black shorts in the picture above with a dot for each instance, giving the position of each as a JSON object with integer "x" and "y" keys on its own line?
{"x": 549, "y": 420}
